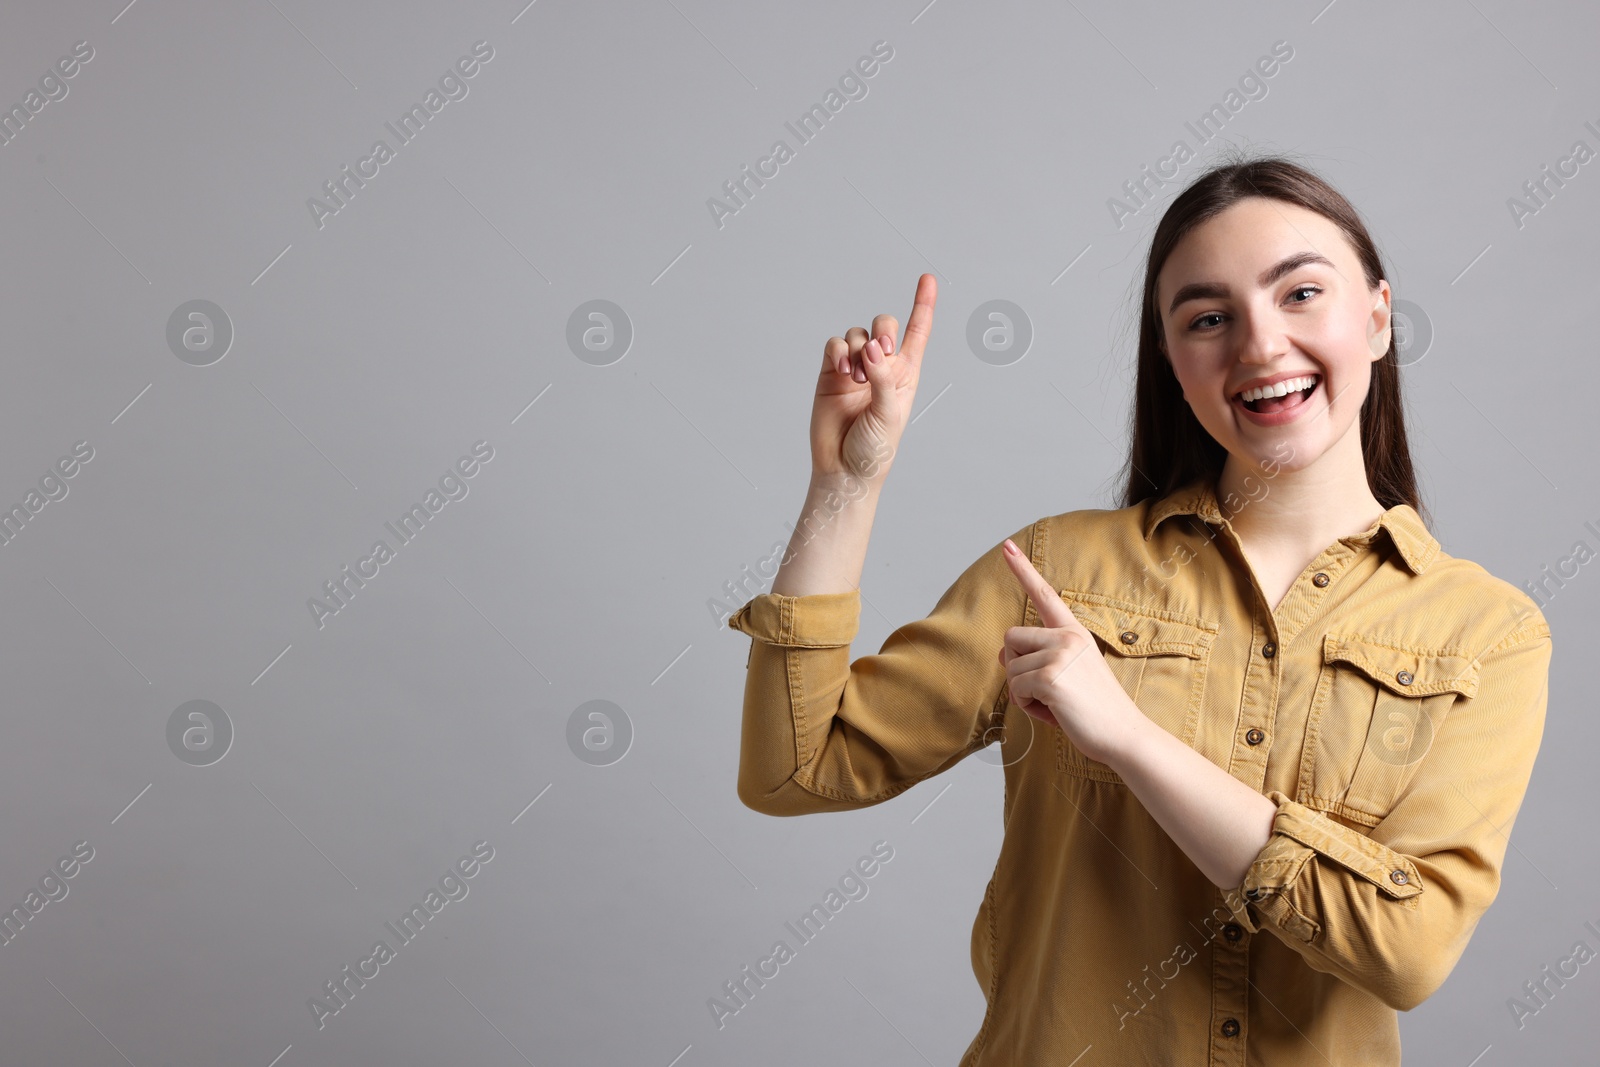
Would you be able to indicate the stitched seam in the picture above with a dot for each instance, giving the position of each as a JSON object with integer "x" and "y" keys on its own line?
{"x": 1087, "y": 772}
{"x": 1304, "y": 921}
{"x": 1273, "y": 868}
{"x": 1197, "y": 689}
{"x": 1038, "y": 538}
{"x": 1112, "y": 637}
{"x": 982, "y": 1036}
{"x": 1521, "y": 635}
{"x": 1319, "y": 701}
{"x": 1429, "y": 554}
{"x": 1415, "y": 650}
{"x": 1334, "y": 804}
{"x": 1341, "y": 648}
{"x": 805, "y": 778}
{"x": 1188, "y": 649}
{"x": 811, "y": 786}
{"x": 797, "y": 706}
{"x": 1362, "y": 861}
{"x": 997, "y": 717}
{"x": 1466, "y": 684}
{"x": 1158, "y": 614}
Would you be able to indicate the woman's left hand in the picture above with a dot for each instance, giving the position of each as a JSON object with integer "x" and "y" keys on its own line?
{"x": 1056, "y": 672}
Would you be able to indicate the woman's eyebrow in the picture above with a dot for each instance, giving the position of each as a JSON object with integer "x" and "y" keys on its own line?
{"x": 1204, "y": 290}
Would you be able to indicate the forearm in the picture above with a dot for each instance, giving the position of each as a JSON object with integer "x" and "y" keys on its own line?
{"x": 1218, "y": 821}
{"x": 829, "y": 545}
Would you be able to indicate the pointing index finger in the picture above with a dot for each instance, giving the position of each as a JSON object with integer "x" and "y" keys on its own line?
{"x": 1052, "y": 612}
{"x": 920, "y": 323}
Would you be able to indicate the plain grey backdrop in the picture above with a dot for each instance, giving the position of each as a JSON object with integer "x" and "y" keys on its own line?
{"x": 258, "y": 388}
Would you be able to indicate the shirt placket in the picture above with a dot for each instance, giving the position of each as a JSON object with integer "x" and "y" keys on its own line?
{"x": 1248, "y": 752}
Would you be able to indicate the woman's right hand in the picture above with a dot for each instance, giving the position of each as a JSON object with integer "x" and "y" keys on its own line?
{"x": 864, "y": 392}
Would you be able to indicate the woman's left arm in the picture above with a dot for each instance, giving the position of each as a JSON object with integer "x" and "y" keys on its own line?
{"x": 1388, "y": 911}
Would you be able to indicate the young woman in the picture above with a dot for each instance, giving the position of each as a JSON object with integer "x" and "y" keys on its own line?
{"x": 1263, "y": 739}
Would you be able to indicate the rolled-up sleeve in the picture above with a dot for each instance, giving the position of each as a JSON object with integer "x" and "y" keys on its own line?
{"x": 1390, "y": 911}
{"x": 821, "y": 733}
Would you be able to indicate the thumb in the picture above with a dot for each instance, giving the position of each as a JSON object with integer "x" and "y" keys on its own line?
{"x": 881, "y": 377}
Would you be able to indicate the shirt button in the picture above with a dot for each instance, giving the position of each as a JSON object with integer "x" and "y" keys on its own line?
{"x": 1398, "y": 877}
{"x": 1319, "y": 579}
{"x": 1404, "y": 677}
{"x": 1129, "y": 637}
{"x": 1254, "y": 736}
{"x": 1232, "y": 931}
{"x": 1269, "y": 650}
{"x": 1230, "y": 1027}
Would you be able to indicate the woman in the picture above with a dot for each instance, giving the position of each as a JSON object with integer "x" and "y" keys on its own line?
{"x": 1263, "y": 739}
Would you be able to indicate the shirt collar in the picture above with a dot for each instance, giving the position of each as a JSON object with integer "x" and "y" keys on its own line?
{"x": 1405, "y": 527}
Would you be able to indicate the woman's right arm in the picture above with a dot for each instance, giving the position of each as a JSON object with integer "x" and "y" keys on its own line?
{"x": 821, "y": 733}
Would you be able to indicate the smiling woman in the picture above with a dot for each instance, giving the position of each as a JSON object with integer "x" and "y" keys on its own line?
{"x": 1284, "y": 734}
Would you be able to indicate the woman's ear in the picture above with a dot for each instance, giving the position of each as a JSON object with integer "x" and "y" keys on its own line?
{"x": 1380, "y": 327}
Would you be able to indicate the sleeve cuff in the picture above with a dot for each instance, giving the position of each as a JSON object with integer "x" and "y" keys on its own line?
{"x": 818, "y": 620}
{"x": 1299, "y": 834}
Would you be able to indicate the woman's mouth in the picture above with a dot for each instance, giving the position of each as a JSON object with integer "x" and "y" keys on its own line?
{"x": 1275, "y": 409}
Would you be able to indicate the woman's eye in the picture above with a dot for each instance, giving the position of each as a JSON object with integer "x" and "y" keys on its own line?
{"x": 1201, "y": 324}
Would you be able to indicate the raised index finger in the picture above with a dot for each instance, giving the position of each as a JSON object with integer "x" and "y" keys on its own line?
{"x": 920, "y": 324}
{"x": 1052, "y": 612}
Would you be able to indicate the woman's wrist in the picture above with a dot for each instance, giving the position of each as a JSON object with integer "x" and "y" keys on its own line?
{"x": 829, "y": 545}
{"x": 846, "y": 483}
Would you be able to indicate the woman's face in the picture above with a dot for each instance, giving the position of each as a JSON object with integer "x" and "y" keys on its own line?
{"x": 1270, "y": 290}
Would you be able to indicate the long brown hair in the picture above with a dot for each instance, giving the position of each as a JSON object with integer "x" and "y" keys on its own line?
{"x": 1169, "y": 447}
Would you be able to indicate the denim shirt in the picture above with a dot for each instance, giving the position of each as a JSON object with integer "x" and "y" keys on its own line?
{"x": 1391, "y": 706}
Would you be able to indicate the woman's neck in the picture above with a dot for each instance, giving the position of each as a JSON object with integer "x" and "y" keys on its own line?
{"x": 1298, "y": 510}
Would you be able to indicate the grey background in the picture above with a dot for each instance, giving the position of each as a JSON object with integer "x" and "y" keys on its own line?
{"x": 432, "y": 311}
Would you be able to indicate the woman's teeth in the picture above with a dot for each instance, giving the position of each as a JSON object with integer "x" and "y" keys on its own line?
{"x": 1284, "y": 394}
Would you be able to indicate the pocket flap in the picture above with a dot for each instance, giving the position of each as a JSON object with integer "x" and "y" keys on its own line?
{"x": 1406, "y": 672}
{"x": 1136, "y": 631}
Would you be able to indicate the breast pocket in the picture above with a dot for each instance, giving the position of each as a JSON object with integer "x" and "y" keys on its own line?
{"x": 1158, "y": 656}
{"x": 1375, "y": 711}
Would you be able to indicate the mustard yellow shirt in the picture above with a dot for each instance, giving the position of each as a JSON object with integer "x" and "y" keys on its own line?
{"x": 1391, "y": 706}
